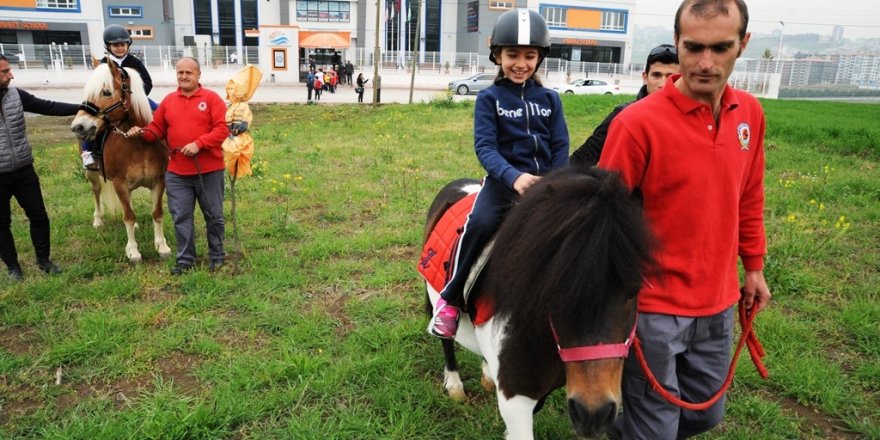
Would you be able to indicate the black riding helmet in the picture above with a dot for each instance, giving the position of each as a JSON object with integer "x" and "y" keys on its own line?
{"x": 520, "y": 27}
{"x": 115, "y": 34}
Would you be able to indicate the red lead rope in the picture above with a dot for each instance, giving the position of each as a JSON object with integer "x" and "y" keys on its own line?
{"x": 748, "y": 337}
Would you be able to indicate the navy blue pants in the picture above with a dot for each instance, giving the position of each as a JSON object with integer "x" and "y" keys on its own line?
{"x": 24, "y": 185}
{"x": 492, "y": 203}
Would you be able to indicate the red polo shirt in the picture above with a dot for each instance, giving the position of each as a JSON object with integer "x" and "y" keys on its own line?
{"x": 199, "y": 118}
{"x": 703, "y": 189}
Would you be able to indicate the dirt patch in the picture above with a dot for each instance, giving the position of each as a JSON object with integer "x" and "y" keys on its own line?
{"x": 332, "y": 301}
{"x": 831, "y": 428}
{"x": 246, "y": 341}
{"x": 176, "y": 369}
{"x": 19, "y": 341}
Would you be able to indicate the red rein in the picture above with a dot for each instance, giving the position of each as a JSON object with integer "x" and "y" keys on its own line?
{"x": 748, "y": 337}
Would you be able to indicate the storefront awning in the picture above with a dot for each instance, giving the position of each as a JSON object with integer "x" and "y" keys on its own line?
{"x": 324, "y": 40}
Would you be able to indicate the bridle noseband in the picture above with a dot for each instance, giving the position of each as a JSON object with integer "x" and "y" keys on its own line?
{"x": 596, "y": 351}
{"x": 94, "y": 110}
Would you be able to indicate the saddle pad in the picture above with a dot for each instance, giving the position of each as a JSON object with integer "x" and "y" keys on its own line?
{"x": 435, "y": 264}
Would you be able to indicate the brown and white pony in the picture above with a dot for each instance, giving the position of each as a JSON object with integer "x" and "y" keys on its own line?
{"x": 114, "y": 101}
{"x": 563, "y": 275}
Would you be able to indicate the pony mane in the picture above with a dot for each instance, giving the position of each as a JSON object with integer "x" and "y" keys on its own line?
{"x": 576, "y": 241}
{"x": 102, "y": 79}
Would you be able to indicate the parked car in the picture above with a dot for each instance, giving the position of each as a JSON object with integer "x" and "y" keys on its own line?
{"x": 588, "y": 87}
{"x": 472, "y": 84}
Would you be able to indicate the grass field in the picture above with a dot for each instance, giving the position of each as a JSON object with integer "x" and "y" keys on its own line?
{"x": 315, "y": 329}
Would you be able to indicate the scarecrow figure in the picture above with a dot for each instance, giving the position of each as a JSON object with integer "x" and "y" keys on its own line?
{"x": 238, "y": 148}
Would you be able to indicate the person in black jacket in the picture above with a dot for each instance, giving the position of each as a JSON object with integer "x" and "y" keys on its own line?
{"x": 661, "y": 63}
{"x": 17, "y": 176}
{"x": 117, "y": 41}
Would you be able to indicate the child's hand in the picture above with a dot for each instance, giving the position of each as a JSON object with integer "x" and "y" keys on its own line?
{"x": 524, "y": 181}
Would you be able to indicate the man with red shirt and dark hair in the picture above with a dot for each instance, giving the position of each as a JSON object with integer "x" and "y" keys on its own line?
{"x": 695, "y": 152}
{"x": 192, "y": 120}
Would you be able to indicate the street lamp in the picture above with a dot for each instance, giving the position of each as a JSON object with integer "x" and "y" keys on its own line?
{"x": 779, "y": 47}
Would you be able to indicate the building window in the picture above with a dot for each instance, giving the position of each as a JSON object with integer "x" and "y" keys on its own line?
{"x": 312, "y": 10}
{"x": 555, "y": 16}
{"x": 494, "y": 4}
{"x": 58, "y": 4}
{"x": 126, "y": 11}
{"x": 613, "y": 21}
{"x": 141, "y": 33}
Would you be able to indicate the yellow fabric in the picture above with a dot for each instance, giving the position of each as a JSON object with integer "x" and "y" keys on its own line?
{"x": 238, "y": 149}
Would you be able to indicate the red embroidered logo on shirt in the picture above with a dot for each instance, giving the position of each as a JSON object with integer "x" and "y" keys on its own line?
{"x": 744, "y": 133}
{"x": 203, "y": 106}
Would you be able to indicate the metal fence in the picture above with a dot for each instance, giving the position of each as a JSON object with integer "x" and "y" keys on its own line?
{"x": 748, "y": 75}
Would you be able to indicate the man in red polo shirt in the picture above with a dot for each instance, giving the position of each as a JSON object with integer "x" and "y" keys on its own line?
{"x": 192, "y": 120}
{"x": 695, "y": 152}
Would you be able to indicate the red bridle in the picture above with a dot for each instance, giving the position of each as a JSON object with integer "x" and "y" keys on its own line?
{"x": 594, "y": 352}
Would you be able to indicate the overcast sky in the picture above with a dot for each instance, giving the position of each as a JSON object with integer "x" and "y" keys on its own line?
{"x": 860, "y": 18}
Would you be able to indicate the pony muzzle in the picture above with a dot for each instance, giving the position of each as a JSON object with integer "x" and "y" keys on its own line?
{"x": 593, "y": 394}
{"x": 84, "y": 128}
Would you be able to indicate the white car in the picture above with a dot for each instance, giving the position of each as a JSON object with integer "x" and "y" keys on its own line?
{"x": 588, "y": 87}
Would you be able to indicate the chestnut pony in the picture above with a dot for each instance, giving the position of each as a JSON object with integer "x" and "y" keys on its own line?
{"x": 564, "y": 271}
{"x": 114, "y": 101}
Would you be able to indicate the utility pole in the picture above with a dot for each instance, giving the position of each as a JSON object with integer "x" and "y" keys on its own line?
{"x": 414, "y": 54}
{"x": 376, "y": 55}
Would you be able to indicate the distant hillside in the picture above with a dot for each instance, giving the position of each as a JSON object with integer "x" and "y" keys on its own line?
{"x": 646, "y": 38}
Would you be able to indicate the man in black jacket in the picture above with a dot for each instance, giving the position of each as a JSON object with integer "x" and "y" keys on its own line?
{"x": 661, "y": 63}
{"x": 17, "y": 176}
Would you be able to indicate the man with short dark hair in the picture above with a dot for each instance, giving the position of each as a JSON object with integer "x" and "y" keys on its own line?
{"x": 17, "y": 176}
{"x": 695, "y": 152}
{"x": 661, "y": 63}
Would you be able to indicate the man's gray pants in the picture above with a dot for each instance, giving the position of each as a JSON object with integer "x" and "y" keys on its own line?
{"x": 183, "y": 192}
{"x": 690, "y": 357}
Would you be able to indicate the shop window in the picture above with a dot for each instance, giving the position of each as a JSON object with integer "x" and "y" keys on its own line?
{"x": 331, "y": 11}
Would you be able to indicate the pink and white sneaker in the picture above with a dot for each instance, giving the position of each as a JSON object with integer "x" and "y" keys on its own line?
{"x": 444, "y": 323}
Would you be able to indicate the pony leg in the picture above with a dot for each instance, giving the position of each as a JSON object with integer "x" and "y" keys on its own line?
{"x": 517, "y": 415}
{"x": 128, "y": 217}
{"x": 98, "y": 215}
{"x": 486, "y": 379}
{"x": 158, "y": 232}
{"x": 451, "y": 379}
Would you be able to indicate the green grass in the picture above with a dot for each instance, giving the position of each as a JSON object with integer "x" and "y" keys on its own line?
{"x": 315, "y": 329}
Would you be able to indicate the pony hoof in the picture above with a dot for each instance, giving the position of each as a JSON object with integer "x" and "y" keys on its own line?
{"x": 487, "y": 384}
{"x": 97, "y": 223}
{"x": 457, "y": 395}
{"x": 134, "y": 257}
